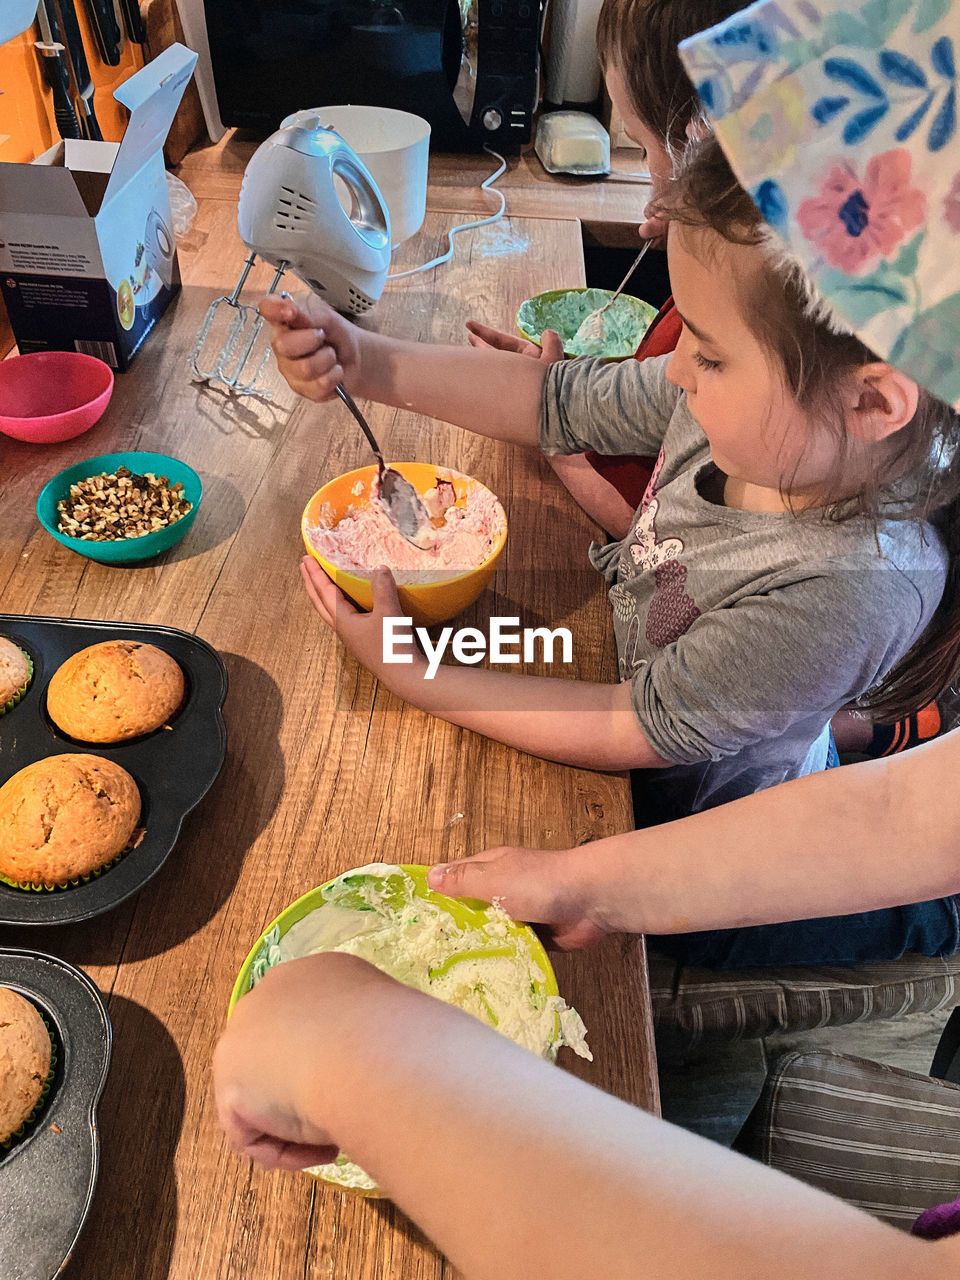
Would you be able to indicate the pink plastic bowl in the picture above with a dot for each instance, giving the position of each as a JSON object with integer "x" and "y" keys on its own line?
{"x": 52, "y": 395}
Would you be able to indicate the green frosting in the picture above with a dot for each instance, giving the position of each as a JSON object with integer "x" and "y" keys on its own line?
{"x": 565, "y": 310}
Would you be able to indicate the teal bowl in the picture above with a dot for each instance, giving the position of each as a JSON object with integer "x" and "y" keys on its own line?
{"x": 122, "y": 550}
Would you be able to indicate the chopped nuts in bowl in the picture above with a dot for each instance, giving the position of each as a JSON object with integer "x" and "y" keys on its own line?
{"x": 121, "y": 507}
{"x": 121, "y": 504}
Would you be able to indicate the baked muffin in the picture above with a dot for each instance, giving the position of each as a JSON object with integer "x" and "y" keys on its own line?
{"x": 24, "y": 1060}
{"x": 65, "y": 817}
{"x": 16, "y": 672}
{"x": 115, "y": 690}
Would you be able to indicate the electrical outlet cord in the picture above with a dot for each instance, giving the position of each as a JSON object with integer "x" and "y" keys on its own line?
{"x": 466, "y": 226}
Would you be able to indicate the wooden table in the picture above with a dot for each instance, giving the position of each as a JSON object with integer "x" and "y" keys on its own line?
{"x": 324, "y": 768}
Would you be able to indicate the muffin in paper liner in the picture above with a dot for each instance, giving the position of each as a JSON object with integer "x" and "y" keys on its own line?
{"x": 114, "y": 691}
{"x": 27, "y": 1124}
{"x": 12, "y": 701}
{"x": 65, "y": 817}
{"x": 29, "y": 887}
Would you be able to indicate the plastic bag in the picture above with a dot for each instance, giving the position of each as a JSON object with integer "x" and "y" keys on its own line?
{"x": 183, "y": 206}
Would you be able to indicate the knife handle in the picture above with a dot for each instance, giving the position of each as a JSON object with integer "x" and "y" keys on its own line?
{"x": 66, "y": 119}
{"x": 91, "y": 127}
{"x": 105, "y": 30}
{"x": 133, "y": 21}
{"x": 57, "y": 76}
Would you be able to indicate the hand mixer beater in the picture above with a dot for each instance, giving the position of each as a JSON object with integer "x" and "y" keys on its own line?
{"x": 307, "y": 205}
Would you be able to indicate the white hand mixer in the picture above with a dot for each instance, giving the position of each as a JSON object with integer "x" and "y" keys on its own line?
{"x": 293, "y": 213}
{"x": 307, "y": 205}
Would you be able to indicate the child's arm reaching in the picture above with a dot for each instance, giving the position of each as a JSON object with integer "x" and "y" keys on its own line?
{"x": 494, "y": 393}
{"x": 573, "y": 721}
{"x": 860, "y": 838}
{"x": 557, "y": 1179}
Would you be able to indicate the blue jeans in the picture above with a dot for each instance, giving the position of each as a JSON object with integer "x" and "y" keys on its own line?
{"x": 868, "y": 937}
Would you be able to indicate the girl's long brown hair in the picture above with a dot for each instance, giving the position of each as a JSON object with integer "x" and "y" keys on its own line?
{"x": 919, "y": 475}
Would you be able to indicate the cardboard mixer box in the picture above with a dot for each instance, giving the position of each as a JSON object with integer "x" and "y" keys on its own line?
{"x": 88, "y": 259}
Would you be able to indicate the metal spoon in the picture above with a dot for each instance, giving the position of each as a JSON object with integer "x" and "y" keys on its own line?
{"x": 591, "y": 328}
{"x": 398, "y": 498}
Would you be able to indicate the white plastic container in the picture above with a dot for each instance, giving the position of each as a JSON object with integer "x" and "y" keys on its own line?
{"x": 394, "y": 146}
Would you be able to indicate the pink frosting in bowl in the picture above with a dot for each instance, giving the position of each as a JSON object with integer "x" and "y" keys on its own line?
{"x": 466, "y": 530}
{"x": 346, "y": 531}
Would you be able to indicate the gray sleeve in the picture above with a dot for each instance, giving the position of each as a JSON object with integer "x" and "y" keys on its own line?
{"x": 748, "y": 672}
{"x": 610, "y": 408}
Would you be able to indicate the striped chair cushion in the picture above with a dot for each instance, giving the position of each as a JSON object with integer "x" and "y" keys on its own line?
{"x": 694, "y": 1007}
{"x": 885, "y": 1140}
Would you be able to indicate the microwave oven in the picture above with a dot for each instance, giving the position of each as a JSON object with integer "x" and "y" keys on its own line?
{"x": 469, "y": 67}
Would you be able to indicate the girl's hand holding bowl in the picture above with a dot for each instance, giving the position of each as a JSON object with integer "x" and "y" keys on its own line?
{"x": 549, "y": 348}
{"x": 274, "y": 1102}
{"x": 360, "y": 632}
{"x": 550, "y": 887}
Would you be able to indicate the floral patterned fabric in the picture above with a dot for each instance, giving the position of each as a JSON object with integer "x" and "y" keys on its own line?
{"x": 841, "y": 121}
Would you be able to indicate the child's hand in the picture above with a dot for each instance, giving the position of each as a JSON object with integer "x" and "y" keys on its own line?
{"x": 482, "y": 335}
{"x": 537, "y": 885}
{"x": 315, "y": 347}
{"x": 654, "y": 226}
{"x": 361, "y": 633}
{"x": 273, "y": 1097}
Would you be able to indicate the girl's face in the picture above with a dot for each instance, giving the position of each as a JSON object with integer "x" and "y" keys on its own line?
{"x": 759, "y": 436}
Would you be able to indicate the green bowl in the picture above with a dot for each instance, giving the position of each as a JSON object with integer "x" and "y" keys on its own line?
{"x": 566, "y": 309}
{"x": 122, "y": 550}
{"x": 465, "y": 911}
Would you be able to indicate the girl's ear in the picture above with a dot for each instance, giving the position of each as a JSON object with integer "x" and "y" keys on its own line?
{"x": 881, "y": 401}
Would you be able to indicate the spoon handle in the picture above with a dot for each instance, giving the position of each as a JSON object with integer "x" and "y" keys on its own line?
{"x": 347, "y": 399}
{"x": 633, "y": 266}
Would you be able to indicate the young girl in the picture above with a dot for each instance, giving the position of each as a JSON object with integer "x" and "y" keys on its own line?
{"x": 771, "y": 573}
{"x": 651, "y": 92}
{"x": 656, "y": 101}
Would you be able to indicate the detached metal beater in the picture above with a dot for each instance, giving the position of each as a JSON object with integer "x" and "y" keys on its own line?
{"x": 246, "y": 325}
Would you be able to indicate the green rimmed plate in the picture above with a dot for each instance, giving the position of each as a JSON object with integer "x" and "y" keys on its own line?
{"x": 566, "y": 309}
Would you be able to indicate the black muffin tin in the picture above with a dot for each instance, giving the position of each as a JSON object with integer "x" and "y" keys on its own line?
{"x": 47, "y": 1177}
{"x": 173, "y": 767}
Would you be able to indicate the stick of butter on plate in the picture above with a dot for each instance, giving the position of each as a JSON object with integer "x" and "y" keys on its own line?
{"x": 572, "y": 142}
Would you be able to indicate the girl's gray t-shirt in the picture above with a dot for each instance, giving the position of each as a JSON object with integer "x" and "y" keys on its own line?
{"x": 741, "y": 633}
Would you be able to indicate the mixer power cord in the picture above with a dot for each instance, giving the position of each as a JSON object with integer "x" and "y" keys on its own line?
{"x": 466, "y": 226}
